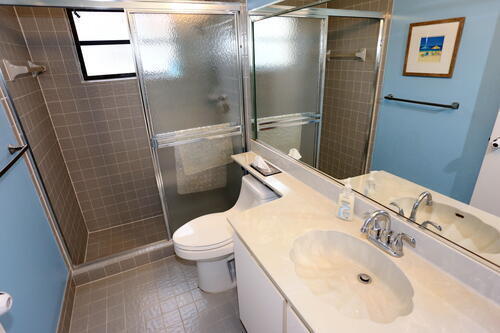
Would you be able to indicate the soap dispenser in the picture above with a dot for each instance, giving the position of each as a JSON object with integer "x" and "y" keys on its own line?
{"x": 346, "y": 202}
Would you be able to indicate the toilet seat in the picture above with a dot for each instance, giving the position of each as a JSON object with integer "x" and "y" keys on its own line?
{"x": 205, "y": 233}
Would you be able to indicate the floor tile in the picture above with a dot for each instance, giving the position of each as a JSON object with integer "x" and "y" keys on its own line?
{"x": 159, "y": 297}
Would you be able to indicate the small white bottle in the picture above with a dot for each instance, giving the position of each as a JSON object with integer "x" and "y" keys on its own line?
{"x": 370, "y": 185}
{"x": 346, "y": 202}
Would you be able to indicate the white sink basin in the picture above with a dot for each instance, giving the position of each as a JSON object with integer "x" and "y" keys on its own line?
{"x": 460, "y": 227}
{"x": 330, "y": 263}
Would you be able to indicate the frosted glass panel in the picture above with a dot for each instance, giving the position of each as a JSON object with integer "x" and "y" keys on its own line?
{"x": 287, "y": 59}
{"x": 192, "y": 188}
{"x": 101, "y": 25}
{"x": 287, "y": 72}
{"x": 189, "y": 69}
{"x": 108, "y": 59}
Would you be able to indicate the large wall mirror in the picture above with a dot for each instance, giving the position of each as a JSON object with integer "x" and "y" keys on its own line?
{"x": 399, "y": 98}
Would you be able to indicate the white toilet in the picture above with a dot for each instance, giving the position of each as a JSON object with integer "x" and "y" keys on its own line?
{"x": 208, "y": 238}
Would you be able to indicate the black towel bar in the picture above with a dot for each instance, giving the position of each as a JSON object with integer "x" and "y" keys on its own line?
{"x": 18, "y": 151}
{"x": 453, "y": 105}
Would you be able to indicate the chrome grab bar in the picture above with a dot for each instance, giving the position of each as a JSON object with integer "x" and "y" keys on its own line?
{"x": 18, "y": 151}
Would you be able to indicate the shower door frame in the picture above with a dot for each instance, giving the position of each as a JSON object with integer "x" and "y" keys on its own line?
{"x": 158, "y": 141}
{"x": 308, "y": 118}
{"x": 273, "y": 10}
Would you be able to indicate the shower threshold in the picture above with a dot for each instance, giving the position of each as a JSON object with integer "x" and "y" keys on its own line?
{"x": 125, "y": 237}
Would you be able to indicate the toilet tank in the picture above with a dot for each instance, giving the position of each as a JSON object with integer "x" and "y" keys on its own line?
{"x": 253, "y": 193}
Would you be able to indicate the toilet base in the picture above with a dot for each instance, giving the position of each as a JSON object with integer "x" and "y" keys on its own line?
{"x": 215, "y": 276}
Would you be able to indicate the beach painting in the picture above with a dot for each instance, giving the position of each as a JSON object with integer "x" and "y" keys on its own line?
{"x": 430, "y": 49}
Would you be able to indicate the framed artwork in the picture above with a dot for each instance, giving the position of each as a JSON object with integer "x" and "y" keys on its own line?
{"x": 432, "y": 47}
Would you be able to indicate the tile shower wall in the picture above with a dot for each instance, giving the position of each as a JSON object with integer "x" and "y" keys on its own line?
{"x": 99, "y": 125}
{"x": 349, "y": 90}
{"x": 35, "y": 119}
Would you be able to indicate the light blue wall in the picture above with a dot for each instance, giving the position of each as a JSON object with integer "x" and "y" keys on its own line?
{"x": 438, "y": 148}
{"x": 32, "y": 269}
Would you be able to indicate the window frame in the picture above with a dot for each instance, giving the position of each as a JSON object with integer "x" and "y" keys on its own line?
{"x": 79, "y": 44}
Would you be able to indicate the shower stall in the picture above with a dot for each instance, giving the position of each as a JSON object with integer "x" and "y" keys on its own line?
{"x": 124, "y": 163}
{"x": 190, "y": 75}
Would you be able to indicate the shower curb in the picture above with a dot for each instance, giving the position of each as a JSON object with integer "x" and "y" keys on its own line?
{"x": 119, "y": 263}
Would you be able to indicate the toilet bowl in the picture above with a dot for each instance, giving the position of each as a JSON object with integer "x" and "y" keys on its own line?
{"x": 208, "y": 239}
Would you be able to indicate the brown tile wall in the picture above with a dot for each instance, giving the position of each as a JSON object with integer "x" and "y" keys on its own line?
{"x": 349, "y": 90}
{"x": 36, "y": 122}
{"x": 99, "y": 126}
{"x": 67, "y": 306}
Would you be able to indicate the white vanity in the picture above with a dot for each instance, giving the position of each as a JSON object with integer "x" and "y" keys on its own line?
{"x": 301, "y": 269}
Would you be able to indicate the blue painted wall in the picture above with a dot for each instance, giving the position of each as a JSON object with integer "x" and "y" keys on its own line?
{"x": 32, "y": 269}
{"x": 437, "y": 148}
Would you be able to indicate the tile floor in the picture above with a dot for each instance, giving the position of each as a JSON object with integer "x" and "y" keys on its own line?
{"x": 159, "y": 297}
{"x": 125, "y": 237}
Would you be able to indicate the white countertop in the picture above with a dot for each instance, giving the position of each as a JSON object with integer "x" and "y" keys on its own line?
{"x": 440, "y": 302}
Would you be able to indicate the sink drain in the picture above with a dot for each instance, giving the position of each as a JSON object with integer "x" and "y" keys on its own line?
{"x": 364, "y": 278}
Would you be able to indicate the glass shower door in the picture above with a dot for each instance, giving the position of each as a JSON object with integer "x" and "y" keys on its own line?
{"x": 190, "y": 78}
{"x": 288, "y": 57}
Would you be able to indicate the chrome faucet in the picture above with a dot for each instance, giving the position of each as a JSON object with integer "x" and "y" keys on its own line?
{"x": 378, "y": 229}
{"x": 423, "y": 225}
{"x": 372, "y": 225}
{"x": 423, "y": 196}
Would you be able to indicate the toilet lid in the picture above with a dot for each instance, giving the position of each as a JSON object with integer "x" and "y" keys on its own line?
{"x": 205, "y": 232}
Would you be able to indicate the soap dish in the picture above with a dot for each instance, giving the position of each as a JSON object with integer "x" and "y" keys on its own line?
{"x": 266, "y": 173}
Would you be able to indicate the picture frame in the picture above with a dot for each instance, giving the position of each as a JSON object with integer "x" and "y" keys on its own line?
{"x": 432, "y": 47}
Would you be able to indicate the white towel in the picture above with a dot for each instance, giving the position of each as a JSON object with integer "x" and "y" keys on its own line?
{"x": 282, "y": 138}
{"x": 201, "y": 166}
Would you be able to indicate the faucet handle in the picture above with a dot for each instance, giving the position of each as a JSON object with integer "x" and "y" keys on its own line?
{"x": 397, "y": 243}
{"x": 400, "y": 210}
{"x": 423, "y": 225}
{"x": 385, "y": 236}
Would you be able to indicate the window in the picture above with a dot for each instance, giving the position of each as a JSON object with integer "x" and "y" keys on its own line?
{"x": 102, "y": 43}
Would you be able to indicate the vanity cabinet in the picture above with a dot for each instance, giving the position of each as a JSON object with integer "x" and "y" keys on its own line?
{"x": 261, "y": 305}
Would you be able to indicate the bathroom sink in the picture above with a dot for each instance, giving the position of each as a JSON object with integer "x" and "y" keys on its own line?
{"x": 352, "y": 275}
{"x": 460, "y": 227}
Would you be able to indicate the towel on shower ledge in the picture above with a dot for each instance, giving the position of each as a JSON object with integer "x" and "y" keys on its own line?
{"x": 282, "y": 138}
{"x": 201, "y": 166}
{"x": 201, "y": 156}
